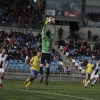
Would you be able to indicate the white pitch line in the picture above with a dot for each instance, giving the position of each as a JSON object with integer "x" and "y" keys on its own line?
{"x": 56, "y": 94}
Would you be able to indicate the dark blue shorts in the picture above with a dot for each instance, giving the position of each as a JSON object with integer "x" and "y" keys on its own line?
{"x": 34, "y": 73}
{"x": 88, "y": 75}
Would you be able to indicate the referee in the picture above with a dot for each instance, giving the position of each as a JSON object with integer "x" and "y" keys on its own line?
{"x": 47, "y": 39}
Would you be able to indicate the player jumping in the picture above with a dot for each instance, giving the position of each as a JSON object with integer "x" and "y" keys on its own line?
{"x": 35, "y": 63}
{"x": 95, "y": 74}
{"x": 88, "y": 72}
{"x": 47, "y": 39}
{"x": 3, "y": 65}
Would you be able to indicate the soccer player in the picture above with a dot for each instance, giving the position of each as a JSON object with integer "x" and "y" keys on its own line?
{"x": 47, "y": 39}
{"x": 3, "y": 65}
{"x": 88, "y": 72}
{"x": 95, "y": 74}
{"x": 35, "y": 63}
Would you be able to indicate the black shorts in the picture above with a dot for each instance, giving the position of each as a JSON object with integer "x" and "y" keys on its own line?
{"x": 45, "y": 58}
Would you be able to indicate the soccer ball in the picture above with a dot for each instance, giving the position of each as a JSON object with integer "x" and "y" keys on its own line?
{"x": 51, "y": 20}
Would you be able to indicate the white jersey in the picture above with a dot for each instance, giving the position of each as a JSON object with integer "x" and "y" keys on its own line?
{"x": 95, "y": 72}
{"x": 3, "y": 59}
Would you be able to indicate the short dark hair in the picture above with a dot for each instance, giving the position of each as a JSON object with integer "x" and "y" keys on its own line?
{"x": 4, "y": 48}
{"x": 38, "y": 51}
{"x": 48, "y": 33}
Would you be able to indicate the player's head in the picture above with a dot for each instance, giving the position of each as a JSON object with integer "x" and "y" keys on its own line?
{"x": 4, "y": 50}
{"x": 38, "y": 53}
{"x": 48, "y": 34}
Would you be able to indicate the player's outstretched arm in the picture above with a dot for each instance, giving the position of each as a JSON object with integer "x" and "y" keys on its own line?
{"x": 44, "y": 27}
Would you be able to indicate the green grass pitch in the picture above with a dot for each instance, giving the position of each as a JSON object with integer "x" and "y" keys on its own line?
{"x": 14, "y": 90}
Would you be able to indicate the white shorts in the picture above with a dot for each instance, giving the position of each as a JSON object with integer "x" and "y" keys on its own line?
{"x": 94, "y": 76}
{"x": 1, "y": 70}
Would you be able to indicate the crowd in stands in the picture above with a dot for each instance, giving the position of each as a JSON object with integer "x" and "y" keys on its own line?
{"x": 22, "y": 45}
{"x": 94, "y": 16}
{"x": 19, "y": 43}
{"x": 78, "y": 51}
{"x": 19, "y": 13}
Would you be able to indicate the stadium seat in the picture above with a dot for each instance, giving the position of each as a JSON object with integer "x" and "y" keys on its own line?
{"x": 20, "y": 61}
{"x": 73, "y": 61}
{"x": 11, "y": 66}
{"x": 15, "y": 61}
{"x": 10, "y": 61}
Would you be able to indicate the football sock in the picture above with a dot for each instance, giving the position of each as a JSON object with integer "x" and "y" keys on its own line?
{"x": 0, "y": 83}
{"x": 28, "y": 83}
{"x": 41, "y": 70}
{"x": 87, "y": 82}
{"x": 47, "y": 73}
{"x": 94, "y": 81}
{"x": 28, "y": 79}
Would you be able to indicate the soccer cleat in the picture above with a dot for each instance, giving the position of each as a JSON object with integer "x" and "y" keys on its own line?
{"x": 91, "y": 85}
{"x": 26, "y": 88}
{"x": 85, "y": 86}
{"x": 1, "y": 86}
{"x": 46, "y": 82}
{"x": 41, "y": 79}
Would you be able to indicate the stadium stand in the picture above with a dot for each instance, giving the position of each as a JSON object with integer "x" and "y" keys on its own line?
{"x": 21, "y": 46}
{"x": 80, "y": 52}
{"x": 94, "y": 16}
{"x": 19, "y": 13}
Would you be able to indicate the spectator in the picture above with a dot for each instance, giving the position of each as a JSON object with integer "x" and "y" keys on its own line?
{"x": 60, "y": 32}
{"x": 89, "y": 35}
{"x": 85, "y": 21}
{"x": 68, "y": 69}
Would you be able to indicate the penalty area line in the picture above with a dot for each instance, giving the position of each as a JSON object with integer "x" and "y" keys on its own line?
{"x": 56, "y": 94}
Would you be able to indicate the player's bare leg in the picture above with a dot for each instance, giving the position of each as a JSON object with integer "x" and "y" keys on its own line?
{"x": 1, "y": 79}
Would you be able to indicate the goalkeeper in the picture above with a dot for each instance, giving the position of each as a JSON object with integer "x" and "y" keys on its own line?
{"x": 47, "y": 39}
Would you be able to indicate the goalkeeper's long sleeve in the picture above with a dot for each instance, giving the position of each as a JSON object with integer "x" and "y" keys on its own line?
{"x": 43, "y": 31}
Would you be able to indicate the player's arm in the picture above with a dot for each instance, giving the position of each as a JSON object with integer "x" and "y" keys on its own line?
{"x": 7, "y": 63}
{"x": 54, "y": 31}
{"x": 31, "y": 61}
{"x": 43, "y": 31}
{"x": 44, "y": 27}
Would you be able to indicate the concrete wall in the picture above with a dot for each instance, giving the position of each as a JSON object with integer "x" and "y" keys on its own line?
{"x": 93, "y": 3}
{"x": 95, "y": 31}
{"x": 58, "y": 77}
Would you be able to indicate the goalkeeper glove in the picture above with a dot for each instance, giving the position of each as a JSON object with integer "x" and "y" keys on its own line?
{"x": 46, "y": 22}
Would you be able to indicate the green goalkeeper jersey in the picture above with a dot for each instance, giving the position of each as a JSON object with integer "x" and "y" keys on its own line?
{"x": 47, "y": 42}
